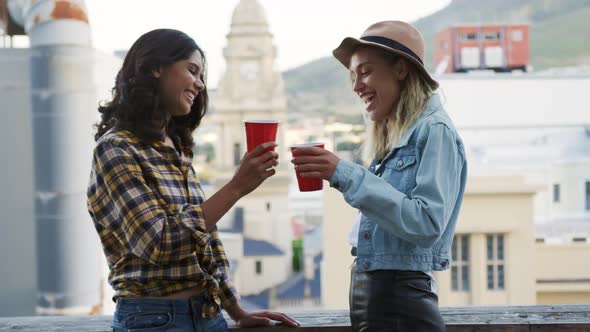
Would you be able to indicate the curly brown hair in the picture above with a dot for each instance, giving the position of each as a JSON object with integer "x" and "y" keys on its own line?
{"x": 136, "y": 102}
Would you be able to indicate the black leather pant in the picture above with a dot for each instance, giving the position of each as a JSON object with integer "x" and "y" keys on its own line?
{"x": 393, "y": 300}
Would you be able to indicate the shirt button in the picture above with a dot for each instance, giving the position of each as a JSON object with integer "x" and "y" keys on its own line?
{"x": 400, "y": 163}
{"x": 366, "y": 265}
{"x": 366, "y": 236}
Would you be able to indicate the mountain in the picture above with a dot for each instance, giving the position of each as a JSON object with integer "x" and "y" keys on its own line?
{"x": 559, "y": 36}
{"x": 559, "y": 29}
{"x": 321, "y": 86}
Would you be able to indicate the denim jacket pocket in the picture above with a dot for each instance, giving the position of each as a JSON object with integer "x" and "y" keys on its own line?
{"x": 403, "y": 162}
{"x": 401, "y": 172}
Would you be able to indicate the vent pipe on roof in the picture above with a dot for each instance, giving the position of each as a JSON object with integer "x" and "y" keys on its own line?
{"x": 63, "y": 107}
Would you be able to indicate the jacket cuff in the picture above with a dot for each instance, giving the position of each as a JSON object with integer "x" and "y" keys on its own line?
{"x": 343, "y": 171}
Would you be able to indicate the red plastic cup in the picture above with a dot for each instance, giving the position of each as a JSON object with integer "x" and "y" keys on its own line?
{"x": 260, "y": 131}
{"x": 307, "y": 184}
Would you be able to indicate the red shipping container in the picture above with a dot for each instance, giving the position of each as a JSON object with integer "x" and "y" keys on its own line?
{"x": 501, "y": 48}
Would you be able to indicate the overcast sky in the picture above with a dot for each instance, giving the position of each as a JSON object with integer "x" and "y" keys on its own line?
{"x": 303, "y": 30}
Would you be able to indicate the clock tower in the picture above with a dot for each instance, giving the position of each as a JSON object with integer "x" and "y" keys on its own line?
{"x": 251, "y": 89}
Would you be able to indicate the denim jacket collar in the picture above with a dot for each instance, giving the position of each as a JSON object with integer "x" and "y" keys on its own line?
{"x": 434, "y": 103}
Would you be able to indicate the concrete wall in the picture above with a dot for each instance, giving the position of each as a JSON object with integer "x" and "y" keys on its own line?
{"x": 496, "y": 205}
{"x": 338, "y": 218}
{"x": 572, "y": 179}
{"x": 562, "y": 272}
{"x": 504, "y": 101}
{"x": 17, "y": 227}
{"x": 562, "y": 261}
{"x": 274, "y": 271}
{"x": 577, "y": 297}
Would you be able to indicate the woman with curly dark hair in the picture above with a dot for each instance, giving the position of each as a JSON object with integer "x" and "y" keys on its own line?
{"x": 167, "y": 264}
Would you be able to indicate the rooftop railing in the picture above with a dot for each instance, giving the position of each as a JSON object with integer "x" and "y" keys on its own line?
{"x": 539, "y": 318}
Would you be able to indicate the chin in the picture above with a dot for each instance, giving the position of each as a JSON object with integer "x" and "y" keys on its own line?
{"x": 372, "y": 116}
{"x": 181, "y": 113}
{"x": 376, "y": 118}
{"x": 184, "y": 112}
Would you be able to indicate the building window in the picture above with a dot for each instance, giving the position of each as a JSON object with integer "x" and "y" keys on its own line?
{"x": 587, "y": 195}
{"x": 258, "y": 267}
{"x": 556, "y": 193}
{"x": 237, "y": 154}
{"x": 517, "y": 35}
{"x": 492, "y": 36}
{"x": 495, "y": 259}
{"x": 460, "y": 263}
{"x": 469, "y": 36}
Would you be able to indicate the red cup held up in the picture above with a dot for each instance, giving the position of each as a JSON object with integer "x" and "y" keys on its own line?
{"x": 260, "y": 131}
{"x": 307, "y": 184}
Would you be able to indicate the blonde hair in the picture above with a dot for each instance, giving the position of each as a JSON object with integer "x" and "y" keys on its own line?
{"x": 384, "y": 135}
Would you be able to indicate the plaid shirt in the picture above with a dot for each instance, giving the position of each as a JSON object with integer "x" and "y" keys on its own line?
{"x": 145, "y": 201}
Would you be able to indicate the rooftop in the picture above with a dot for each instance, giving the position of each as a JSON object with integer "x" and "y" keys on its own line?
{"x": 261, "y": 248}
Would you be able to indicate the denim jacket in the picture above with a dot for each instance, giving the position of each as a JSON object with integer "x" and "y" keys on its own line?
{"x": 410, "y": 203}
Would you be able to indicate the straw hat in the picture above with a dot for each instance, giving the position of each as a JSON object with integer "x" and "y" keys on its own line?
{"x": 396, "y": 37}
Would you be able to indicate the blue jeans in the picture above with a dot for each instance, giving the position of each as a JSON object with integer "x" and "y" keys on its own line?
{"x": 164, "y": 315}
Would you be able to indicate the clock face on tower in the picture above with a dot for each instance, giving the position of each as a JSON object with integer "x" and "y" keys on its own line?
{"x": 249, "y": 70}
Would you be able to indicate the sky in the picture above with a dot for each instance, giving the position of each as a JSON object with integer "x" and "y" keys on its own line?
{"x": 303, "y": 30}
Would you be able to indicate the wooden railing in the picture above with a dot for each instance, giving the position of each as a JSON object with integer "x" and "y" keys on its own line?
{"x": 460, "y": 319}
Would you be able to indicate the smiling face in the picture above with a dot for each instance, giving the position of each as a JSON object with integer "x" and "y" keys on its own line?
{"x": 180, "y": 83}
{"x": 376, "y": 79}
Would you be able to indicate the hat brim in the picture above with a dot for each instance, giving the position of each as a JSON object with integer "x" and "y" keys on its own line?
{"x": 344, "y": 52}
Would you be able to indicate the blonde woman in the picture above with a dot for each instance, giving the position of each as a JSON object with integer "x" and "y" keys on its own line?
{"x": 409, "y": 197}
